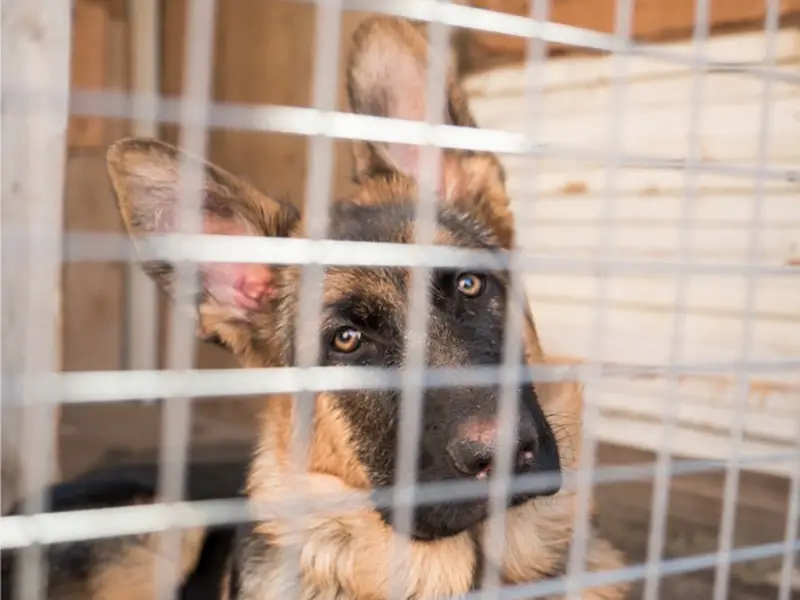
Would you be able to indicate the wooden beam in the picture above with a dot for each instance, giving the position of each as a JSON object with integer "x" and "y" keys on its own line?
{"x": 89, "y": 67}
{"x": 35, "y": 60}
{"x": 653, "y": 20}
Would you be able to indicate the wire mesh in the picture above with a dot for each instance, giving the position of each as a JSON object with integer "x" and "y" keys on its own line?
{"x": 722, "y": 581}
{"x": 656, "y": 541}
{"x": 197, "y": 114}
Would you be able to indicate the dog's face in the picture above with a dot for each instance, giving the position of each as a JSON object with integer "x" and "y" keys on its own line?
{"x": 365, "y": 316}
{"x": 251, "y": 308}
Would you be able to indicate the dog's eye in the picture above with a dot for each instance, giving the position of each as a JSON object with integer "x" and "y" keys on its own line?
{"x": 346, "y": 340}
{"x": 470, "y": 285}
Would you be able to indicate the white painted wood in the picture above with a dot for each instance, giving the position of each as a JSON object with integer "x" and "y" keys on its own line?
{"x": 773, "y": 427}
{"x": 35, "y": 60}
{"x": 563, "y": 177}
{"x": 727, "y": 133}
{"x": 643, "y": 337}
{"x": 141, "y": 302}
{"x": 779, "y": 244}
{"x": 746, "y": 48}
{"x": 722, "y": 296}
{"x": 709, "y": 209}
{"x": 639, "y": 433}
{"x": 715, "y": 391}
{"x": 722, "y": 89}
{"x": 559, "y": 205}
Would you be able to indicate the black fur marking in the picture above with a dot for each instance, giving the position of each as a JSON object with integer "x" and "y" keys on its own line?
{"x": 371, "y": 223}
{"x": 388, "y": 223}
{"x": 480, "y": 558}
{"x": 70, "y": 564}
{"x": 234, "y": 581}
{"x": 205, "y": 580}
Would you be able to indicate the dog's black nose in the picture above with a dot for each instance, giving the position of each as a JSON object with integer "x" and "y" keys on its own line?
{"x": 472, "y": 451}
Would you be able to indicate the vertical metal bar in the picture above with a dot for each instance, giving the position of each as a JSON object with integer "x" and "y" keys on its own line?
{"x": 412, "y": 391}
{"x": 176, "y": 414}
{"x": 584, "y": 485}
{"x": 672, "y": 400}
{"x": 728, "y": 523}
{"x": 141, "y": 298}
{"x": 502, "y": 471}
{"x": 36, "y": 45}
{"x": 316, "y": 211}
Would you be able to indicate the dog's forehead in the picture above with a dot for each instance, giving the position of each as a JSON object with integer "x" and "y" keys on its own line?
{"x": 391, "y": 222}
{"x": 366, "y": 290}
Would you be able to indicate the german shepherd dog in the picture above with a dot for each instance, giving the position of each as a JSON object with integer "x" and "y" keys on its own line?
{"x": 251, "y": 309}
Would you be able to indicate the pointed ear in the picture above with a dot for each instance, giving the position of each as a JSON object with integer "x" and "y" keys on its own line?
{"x": 234, "y": 297}
{"x": 387, "y": 77}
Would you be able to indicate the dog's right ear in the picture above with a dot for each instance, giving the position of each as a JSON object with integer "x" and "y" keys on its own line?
{"x": 235, "y": 299}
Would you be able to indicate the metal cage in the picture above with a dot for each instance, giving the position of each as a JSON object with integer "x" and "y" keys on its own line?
{"x": 38, "y": 101}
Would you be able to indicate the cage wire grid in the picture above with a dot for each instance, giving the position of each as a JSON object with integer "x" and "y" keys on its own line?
{"x": 42, "y": 387}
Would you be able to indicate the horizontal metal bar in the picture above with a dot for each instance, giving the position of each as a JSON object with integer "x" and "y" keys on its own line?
{"x": 111, "y": 386}
{"x": 102, "y": 247}
{"x": 54, "y": 528}
{"x": 479, "y": 19}
{"x": 674, "y": 566}
{"x": 343, "y": 125}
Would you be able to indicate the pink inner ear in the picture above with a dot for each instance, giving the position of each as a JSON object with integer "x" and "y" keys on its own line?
{"x": 407, "y": 158}
{"x": 241, "y": 286}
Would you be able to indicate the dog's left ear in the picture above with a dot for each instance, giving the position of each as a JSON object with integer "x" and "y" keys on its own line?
{"x": 386, "y": 77}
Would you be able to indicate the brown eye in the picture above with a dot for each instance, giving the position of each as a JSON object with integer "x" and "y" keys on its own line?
{"x": 346, "y": 340}
{"x": 470, "y": 285}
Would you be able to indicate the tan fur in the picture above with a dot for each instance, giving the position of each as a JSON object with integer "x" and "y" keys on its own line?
{"x": 348, "y": 555}
{"x": 131, "y": 575}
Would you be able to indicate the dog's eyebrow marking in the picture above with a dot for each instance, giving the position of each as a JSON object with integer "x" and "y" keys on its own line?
{"x": 361, "y": 310}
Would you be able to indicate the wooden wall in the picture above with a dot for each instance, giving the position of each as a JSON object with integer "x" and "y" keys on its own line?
{"x": 93, "y": 293}
{"x": 264, "y": 53}
{"x": 652, "y": 21}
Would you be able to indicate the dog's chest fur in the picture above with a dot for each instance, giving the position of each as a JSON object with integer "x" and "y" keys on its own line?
{"x": 257, "y": 570}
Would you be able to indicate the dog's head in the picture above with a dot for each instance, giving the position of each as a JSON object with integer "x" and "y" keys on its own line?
{"x": 252, "y": 308}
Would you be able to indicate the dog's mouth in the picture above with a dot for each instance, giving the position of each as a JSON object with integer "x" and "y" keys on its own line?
{"x": 524, "y": 462}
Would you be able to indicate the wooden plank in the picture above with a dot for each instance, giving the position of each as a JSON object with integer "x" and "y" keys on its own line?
{"x": 673, "y": 92}
{"x": 759, "y": 425}
{"x": 93, "y": 292}
{"x": 778, "y": 245}
{"x": 697, "y": 443}
{"x": 584, "y": 71}
{"x": 710, "y": 208}
{"x": 727, "y": 133}
{"x": 89, "y": 67}
{"x": 723, "y": 296}
{"x": 570, "y": 178}
{"x": 653, "y": 20}
{"x": 644, "y": 337}
{"x": 766, "y": 397}
{"x": 35, "y": 57}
